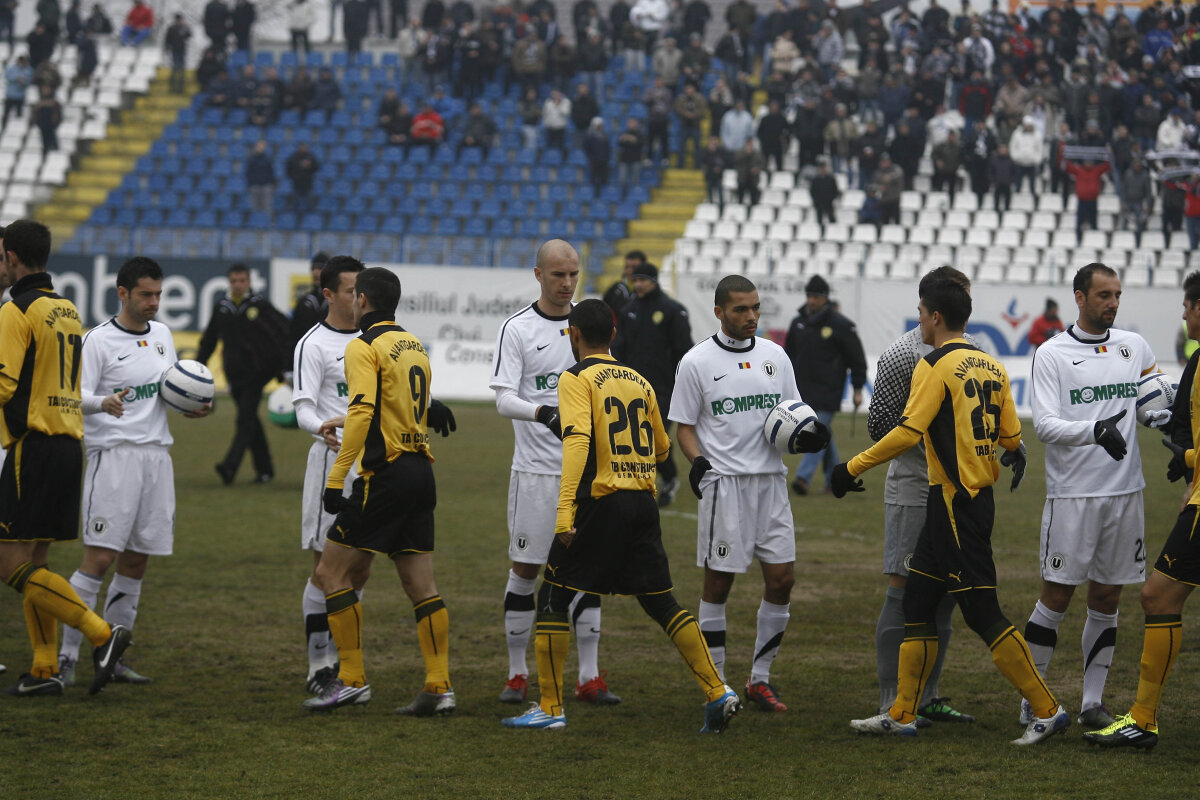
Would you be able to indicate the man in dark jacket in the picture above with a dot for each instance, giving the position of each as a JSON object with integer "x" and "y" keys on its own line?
{"x": 311, "y": 308}
{"x": 621, "y": 292}
{"x": 216, "y": 22}
{"x": 302, "y": 166}
{"x": 823, "y": 346}
{"x": 254, "y": 336}
{"x": 825, "y": 192}
{"x": 354, "y": 24}
{"x": 653, "y": 333}
{"x": 241, "y": 22}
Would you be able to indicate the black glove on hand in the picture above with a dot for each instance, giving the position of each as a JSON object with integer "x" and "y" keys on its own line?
{"x": 1108, "y": 437}
{"x": 548, "y": 416}
{"x": 813, "y": 441}
{"x": 1017, "y": 460}
{"x": 842, "y": 481}
{"x": 699, "y": 466}
{"x": 441, "y": 418}
{"x": 333, "y": 501}
{"x": 1177, "y": 468}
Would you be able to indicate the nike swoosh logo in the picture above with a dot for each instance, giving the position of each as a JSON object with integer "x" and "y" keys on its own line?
{"x": 1077, "y": 363}
{"x": 542, "y": 347}
{"x": 23, "y": 689}
{"x": 319, "y": 646}
{"x": 518, "y": 633}
{"x": 122, "y": 358}
{"x": 717, "y": 379}
{"x": 339, "y": 358}
{"x": 595, "y": 630}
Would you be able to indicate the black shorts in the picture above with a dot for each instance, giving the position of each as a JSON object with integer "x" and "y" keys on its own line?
{"x": 391, "y": 511}
{"x": 1180, "y": 557}
{"x": 617, "y": 548}
{"x": 40, "y": 489}
{"x": 955, "y": 546}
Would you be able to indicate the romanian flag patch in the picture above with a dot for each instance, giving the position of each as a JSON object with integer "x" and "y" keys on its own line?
{"x": 143, "y": 343}
{"x": 743, "y": 365}
{"x": 1101, "y": 349}
{"x": 564, "y": 331}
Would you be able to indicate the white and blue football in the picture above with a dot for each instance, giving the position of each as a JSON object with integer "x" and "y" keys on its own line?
{"x": 785, "y": 422}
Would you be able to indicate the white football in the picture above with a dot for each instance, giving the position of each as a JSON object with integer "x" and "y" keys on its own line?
{"x": 1155, "y": 392}
{"x": 280, "y": 409}
{"x": 785, "y": 422}
{"x": 186, "y": 386}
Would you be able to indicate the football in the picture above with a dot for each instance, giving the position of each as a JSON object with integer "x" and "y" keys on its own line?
{"x": 186, "y": 386}
{"x": 280, "y": 409}
{"x": 785, "y": 421}
{"x": 1156, "y": 391}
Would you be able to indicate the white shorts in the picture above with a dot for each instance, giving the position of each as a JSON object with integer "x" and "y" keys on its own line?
{"x": 901, "y": 527}
{"x": 129, "y": 499}
{"x": 1098, "y": 539}
{"x": 532, "y": 507}
{"x": 743, "y": 517}
{"x": 314, "y": 521}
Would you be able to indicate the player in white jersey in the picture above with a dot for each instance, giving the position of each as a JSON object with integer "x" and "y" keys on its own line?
{"x": 904, "y": 497}
{"x": 319, "y": 392}
{"x": 724, "y": 389}
{"x": 532, "y": 348}
{"x": 1084, "y": 394}
{"x": 129, "y": 483}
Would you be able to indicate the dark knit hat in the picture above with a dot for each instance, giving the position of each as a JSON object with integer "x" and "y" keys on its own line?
{"x": 646, "y": 270}
{"x": 817, "y": 285}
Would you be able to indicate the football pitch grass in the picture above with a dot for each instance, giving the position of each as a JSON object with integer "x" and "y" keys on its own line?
{"x": 220, "y": 632}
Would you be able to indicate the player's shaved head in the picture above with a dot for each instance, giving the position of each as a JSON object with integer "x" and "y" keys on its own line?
{"x": 594, "y": 319}
{"x": 730, "y": 284}
{"x": 555, "y": 249}
{"x": 1083, "y": 278}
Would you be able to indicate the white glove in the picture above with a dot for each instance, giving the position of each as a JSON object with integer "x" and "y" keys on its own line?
{"x": 1158, "y": 419}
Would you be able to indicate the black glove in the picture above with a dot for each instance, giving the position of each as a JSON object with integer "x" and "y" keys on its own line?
{"x": 548, "y": 416}
{"x": 1108, "y": 437}
{"x": 1178, "y": 467}
{"x": 1017, "y": 460}
{"x": 841, "y": 481}
{"x": 813, "y": 441}
{"x": 441, "y": 418}
{"x": 333, "y": 501}
{"x": 699, "y": 466}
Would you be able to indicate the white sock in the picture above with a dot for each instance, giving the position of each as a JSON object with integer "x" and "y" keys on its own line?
{"x": 712, "y": 627}
{"x": 772, "y": 622}
{"x": 518, "y": 620}
{"x": 88, "y": 589}
{"x": 121, "y": 602}
{"x": 316, "y": 629}
{"x": 1041, "y": 634}
{"x": 1099, "y": 640}
{"x": 585, "y": 614}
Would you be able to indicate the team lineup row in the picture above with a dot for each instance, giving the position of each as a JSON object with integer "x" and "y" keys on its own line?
{"x": 581, "y": 499}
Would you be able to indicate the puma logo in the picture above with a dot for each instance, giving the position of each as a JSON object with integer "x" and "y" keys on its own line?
{"x": 1170, "y": 561}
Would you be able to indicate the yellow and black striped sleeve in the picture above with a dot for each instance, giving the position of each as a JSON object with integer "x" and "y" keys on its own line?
{"x": 575, "y": 416}
{"x": 14, "y": 343}
{"x": 363, "y": 382}
{"x": 925, "y": 397}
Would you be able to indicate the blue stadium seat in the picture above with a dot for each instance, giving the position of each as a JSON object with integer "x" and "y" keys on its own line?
{"x": 152, "y": 216}
{"x": 503, "y": 227}
{"x": 316, "y": 60}
{"x": 394, "y": 224}
{"x": 205, "y": 219}
{"x": 475, "y": 227}
{"x": 463, "y": 208}
{"x": 231, "y": 219}
{"x": 285, "y": 221}
{"x": 101, "y": 215}
{"x": 614, "y": 230}
{"x": 449, "y": 226}
{"x": 338, "y": 222}
{"x": 449, "y": 191}
{"x": 420, "y": 226}
{"x": 126, "y": 216}
{"x": 531, "y": 192}
{"x": 365, "y": 223}
{"x": 312, "y": 221}
{"x": 179, "y": 218}
{"x": 288, "y": 60}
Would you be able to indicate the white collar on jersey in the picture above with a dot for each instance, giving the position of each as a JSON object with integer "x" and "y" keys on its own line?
{"x": 1081, "y": 335}
{"x": 727, "y": 342}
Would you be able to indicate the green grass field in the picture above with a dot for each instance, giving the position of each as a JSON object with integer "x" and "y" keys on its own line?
{"x": 220, "y": 631}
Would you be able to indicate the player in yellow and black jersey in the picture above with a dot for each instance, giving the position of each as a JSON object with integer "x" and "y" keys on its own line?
{"x": 41, "y": 428}
{"x": 607, "y": 534}
{"x": 390, "y": 507}
{"x": 1177, "y": 570}
{"x": 961, "y": 404}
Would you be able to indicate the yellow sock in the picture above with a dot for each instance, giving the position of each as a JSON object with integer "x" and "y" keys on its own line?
{"x": 433, "y": 633}
{"x": 1164, "y": 633}
{"x": 344, "y": 613}
{"x": 1011, "y": 656}
{"x": 550, "y": 644}
{"x": 686, "y": 636}
{"x": 52, "y": 594}
{"x": 43, "y": 635}
{"x": 918, "y": 654}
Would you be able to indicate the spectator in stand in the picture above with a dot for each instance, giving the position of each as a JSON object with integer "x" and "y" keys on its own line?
{"x": 246, "y": 87}
{"x": 1089, "y": 180}
{"x": 260, "y": 179}
{"x": 737, "y": 128}
{"x": 691, "y": 110}
{"x": 696, "y": 15}
{"x": 893, "y": 99}
{"x": 841, "y": 137}
{"x": 1171, "y": 131}
{"x": 773, "y": 135}
{"x": 437, "y": 57}
{"x": 750, "y": 166}
{"x": 599, "y": 154}
{"x": 298, "y": 94}
{"x": 301, "y": 168}
{"x": 478, "y": 131}
{"x": 530, "y": 111}
{"x": 870, "y": 147}
{"x": 47, "y": 76}
{"x": 584, "y": 109}
{"x": 216, "y": 23}
{"x": 560, "y": 63}
{"x": 1003, "y": 173}
{"x": 556, "y": 113}
{"x": 975, "y": 101}
{"x": 221, "y": 91}
{"x": 264, "y": 106}
{"x": 8, "y": 10}
{"x": 808, "y": 128}
{"x": 1027, "y": 148}
{"x": 658, "y": 99}
{"x": 825, "y": 193}
{"x": 631, "y": 144}
{"x": 621, "y": 292}
{"x": 889, "y": 185}
{"x": 829, "y": 49}
{"x": 649, "y": 17}
{"x": 720, "y": 100}
{"x": 355, "y": 14}
{"x": 529, "y": 57}
{"x": 1190, "y": 187}
{"x": 241, "y": 23}
{"x": 1060, "y": 181}
{"x": 212, "y": 64}
{"x": 667, "y": 62}
{"x": 18, "y": 76}
{"x": 977, "y": 155}
{"x": 1046, "y": 326}
{"x": 732, "y": 50}
{"x": 139, "y": 23}
{"x": 88, "y": 59}
{"x": 593, "y": 61}
{"x": 301, "y": 14}
{"x": 176, "y": 42}
{"x": 399, "y": 127}
{"x": 906, "y": 151}
{"x": 410, "y": 43}
{"x": 389, "y": 104}
{"x": 428, "y": 128}
{"x": 327, "y": 94}
{"x": 713, "y": 162}
{"x": 1137, "y": 198}
{"x": 947, "y": 157}
{"x": 41, "y": 45}
{"x": 97, "y": 22}
{"x": 47, "y": 116}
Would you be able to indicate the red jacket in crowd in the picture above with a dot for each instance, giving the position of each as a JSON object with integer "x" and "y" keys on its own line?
{"x": 428, "y": 127}
{"x": 1191, "y": 190}
{"x": 1043, "y": 328}
{"x": 1087, "y": 179}
{"x": 140, "y": 17}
